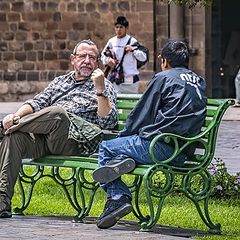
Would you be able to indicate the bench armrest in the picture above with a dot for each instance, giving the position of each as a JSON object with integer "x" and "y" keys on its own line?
{"x": 180, "y": 145}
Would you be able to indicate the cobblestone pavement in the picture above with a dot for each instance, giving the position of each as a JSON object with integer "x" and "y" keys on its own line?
{"x": 62, "y": 228}
{"x": 228, "y": 145}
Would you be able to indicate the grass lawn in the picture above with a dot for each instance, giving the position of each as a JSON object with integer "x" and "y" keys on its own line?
{"x": 49, "y": 200}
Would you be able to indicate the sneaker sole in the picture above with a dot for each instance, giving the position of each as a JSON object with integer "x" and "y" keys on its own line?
{"x": 106, "y": 174}
{"x": 5, "y": 214}
{"x": 111, "y": 219}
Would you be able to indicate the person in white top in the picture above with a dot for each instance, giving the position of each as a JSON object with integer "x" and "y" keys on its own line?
{"x": 113, "y": 53}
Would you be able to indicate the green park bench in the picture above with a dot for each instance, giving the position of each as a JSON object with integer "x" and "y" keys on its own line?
{"x": 157, "y": 181}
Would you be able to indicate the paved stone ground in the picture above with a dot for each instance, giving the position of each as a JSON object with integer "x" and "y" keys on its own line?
{"x": 62, "y": 228}
{"x": 228, "y": 145}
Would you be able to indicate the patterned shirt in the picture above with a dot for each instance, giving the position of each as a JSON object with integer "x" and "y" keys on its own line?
{"x": 77, "y": 98}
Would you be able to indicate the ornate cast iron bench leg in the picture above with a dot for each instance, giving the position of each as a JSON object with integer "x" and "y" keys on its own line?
{"x": 201, "y": 195}
{"x": 31, "y": 180}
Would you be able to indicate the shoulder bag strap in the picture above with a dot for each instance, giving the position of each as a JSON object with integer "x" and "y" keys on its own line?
{"x": 124, "y": 53}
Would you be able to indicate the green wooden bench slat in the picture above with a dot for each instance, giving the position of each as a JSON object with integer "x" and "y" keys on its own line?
{"x": 123, "y": 116}
{"x": 126, "y": 105}
{"x": 211, "y": 112}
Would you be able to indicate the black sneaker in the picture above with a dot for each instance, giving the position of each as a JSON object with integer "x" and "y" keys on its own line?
{"x": 113, "y": 211}
{"x": 5, "y": 207}
{"x": 113, "y": 170}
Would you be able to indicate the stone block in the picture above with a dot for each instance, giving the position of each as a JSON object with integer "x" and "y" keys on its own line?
{"x": 9, "y": 76}
{"x": 52, "y": 6}
{"x": 3, "y": 88}
{"x": 14, "y": 66}
{"x": 18, "y": 6}
{"x": 5, "y": 6}
{"x": 123, "y": 5}
{"x": 13, "y": 17}
{"x": 28, "y": 66}
{"x": 51, "y": 26}
{"x": 53, "y": 65}
{"x": 7, "y": 56}
{"x": 72, "y": 7}
{"x": 78, "y": 26}
{"x": 21, "y": 76}
{"x": 35, "y": 36}
{"x": 28, "y": 46}
{"x": 90, "y": 7}
{"x": 31, "y": 56}
{"x": 33, "y": 76}
{"x": 25, "y": 26}
{"x": 3, "y": 17}
{"x": 20, "y": 56}
{"x": 29, "y": 16}
{"x": 57, "y": 17}
{"x": 8, "y": 36}
{"x": 50, "y": 55}
{"x": 60, "y": 35}
{"x": 64, "y": 65}
{"x": 22, "y": 88}
{"x": 21, "y": 36}
{"x": 3, "y": 46}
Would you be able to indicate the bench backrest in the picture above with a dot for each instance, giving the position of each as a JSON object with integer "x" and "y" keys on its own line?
{"x": 205, "y": 142}
{"x": 125, "y": 103}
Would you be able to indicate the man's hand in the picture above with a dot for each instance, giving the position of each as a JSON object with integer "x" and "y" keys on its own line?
{"x": 10, "y": 120}
{"x": 129, "y": 48}
{"x": 98, "y": 79}
{"x": 111, "y": 62}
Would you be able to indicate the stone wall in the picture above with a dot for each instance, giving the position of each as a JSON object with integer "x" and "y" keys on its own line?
{"x": 37, "y": 37}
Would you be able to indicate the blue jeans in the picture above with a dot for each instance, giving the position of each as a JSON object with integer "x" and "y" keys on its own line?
{"x": 133, "y": 147}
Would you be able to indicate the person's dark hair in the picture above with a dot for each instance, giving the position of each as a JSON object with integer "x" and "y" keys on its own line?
{"x": 87, "y": 41}
{"x": 176, "y": 53}
{"x": 122, "y": 21}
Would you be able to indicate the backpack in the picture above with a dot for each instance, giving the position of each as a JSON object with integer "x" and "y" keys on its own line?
{"x": 145, "y": 50}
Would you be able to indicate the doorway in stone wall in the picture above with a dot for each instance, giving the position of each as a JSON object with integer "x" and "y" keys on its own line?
{"x": 225, "y": 47}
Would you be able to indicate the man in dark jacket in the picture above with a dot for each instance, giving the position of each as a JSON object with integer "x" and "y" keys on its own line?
{"x": 174, "y": 102}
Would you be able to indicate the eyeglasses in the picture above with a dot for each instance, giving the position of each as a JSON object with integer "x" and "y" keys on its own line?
{"x": 91, "y": 57}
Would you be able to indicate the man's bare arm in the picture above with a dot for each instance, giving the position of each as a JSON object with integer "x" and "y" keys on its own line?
{"x": 104, "y": 104}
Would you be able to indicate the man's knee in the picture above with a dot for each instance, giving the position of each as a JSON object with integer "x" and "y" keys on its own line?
{"x": 58, "y": 115}
{"x": 56, "y": 111}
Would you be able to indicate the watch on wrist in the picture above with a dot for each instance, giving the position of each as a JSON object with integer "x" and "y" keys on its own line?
{"x": 104, "y": 93}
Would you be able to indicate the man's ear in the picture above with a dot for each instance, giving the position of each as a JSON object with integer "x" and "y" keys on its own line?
{"x": 166, "y": 64}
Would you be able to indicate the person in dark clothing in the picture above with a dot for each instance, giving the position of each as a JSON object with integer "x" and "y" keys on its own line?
{"x": 174, "y": 102}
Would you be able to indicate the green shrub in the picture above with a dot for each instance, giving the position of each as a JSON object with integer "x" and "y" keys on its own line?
{"x": 225, "y": 185}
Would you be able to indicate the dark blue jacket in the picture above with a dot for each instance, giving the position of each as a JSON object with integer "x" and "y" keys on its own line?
{"x": 174, "y": 102}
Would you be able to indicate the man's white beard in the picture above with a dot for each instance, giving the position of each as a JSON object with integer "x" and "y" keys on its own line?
{"x": 84, "y": 73}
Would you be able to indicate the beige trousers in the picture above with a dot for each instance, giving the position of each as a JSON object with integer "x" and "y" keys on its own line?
{"x": 49, "y": 135}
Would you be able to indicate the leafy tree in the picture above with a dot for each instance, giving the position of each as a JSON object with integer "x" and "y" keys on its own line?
{"x": 191, "y": 3}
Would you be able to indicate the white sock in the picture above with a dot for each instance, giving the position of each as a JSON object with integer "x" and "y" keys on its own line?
{"x": 116, "y": 197}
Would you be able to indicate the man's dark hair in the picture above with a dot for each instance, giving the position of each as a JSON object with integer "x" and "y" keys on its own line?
{"x": 122, "y": 21}
{"x": 176, "y": 53}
